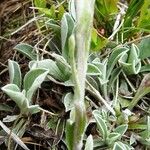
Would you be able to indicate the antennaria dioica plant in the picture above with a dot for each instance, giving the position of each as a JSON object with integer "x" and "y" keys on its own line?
{"x": 79, "y": 45}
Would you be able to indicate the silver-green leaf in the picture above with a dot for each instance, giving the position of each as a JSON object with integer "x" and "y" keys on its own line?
{"x": 14, "y": 73}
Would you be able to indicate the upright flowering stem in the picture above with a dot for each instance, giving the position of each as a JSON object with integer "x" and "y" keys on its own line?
{"x": 80, "y": 45}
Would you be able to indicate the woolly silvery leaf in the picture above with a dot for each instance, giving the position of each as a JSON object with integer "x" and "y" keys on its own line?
{"x": 51, "y": 66}
{"x": 114, "y": 57}
{"x": 26, "y": 50}
{"x": 121, "y": 129}
{"x": 72, "y": 9}
{"x": 67, "y": 27}
{"x": 130, "y": 61}
{"x": 14, "y": 73}
{"x": 112, "y": 137}
{"x": 32, "y": 80}
{"x": 16, "y": 95}
{"x": 68, "y": 101}
{"x": 100, "y": 124}
{"x": 89, "y": 143}
{"x": 93, "y": 70}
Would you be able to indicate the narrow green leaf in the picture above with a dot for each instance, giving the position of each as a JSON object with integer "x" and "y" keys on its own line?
{"x": 33, "y": 109}
{"x": 148, "y": 126}
{"x": 144, "y": 18}
{"x": 70, "y": 134}
{"x": 133, "y": 9}
{"x": 115, "y": 73}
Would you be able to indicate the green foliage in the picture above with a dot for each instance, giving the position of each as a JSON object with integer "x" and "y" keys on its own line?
{"x": 143, "y": 21}
{"x": 98, "y": 73}
{"x": 98, "y": 41}
{"x": 32, "y": 82}
{"x": 134, "y": 7}
{"x": 109, "y": 138}
{"x": 40, "y": 3}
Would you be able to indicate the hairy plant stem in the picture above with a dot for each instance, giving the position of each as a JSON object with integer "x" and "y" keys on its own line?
{"x": 80, "y": 45}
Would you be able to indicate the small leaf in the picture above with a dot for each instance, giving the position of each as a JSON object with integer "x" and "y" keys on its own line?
{"x": 89, "y": 143}
{"x": 48, "y": 12}
{"x": 68, "y": 101}
{"x": 26, "y": 50}
{"x": 144, "y": 48}
{"x": 121, "y": 129}
{"x": 40, "y": 3}
{"x": 113, "y": 137}
{"x": 119, "y": 146}
{"x": 32, "y": 80}
{"x": 54, "y": 25}
{"x": 130, "y": 62}
{"x": 115, "y": 73}
{"x": 114, "y": 57}
{"x": 14, "y": 73}
{"x": 14, "y": 93}
{"x": 67, "y": 27}
{"x": 62, "y": 64}
{"x": 93, "y": 70}
{"x": 101, "y": 124}
{"x": 103, "y": 68}
{"x": 51, "y": 66}
{"x": 93, "y": 82}
{"x": 10, "y": 118}
{"x": 132, "y": 139}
